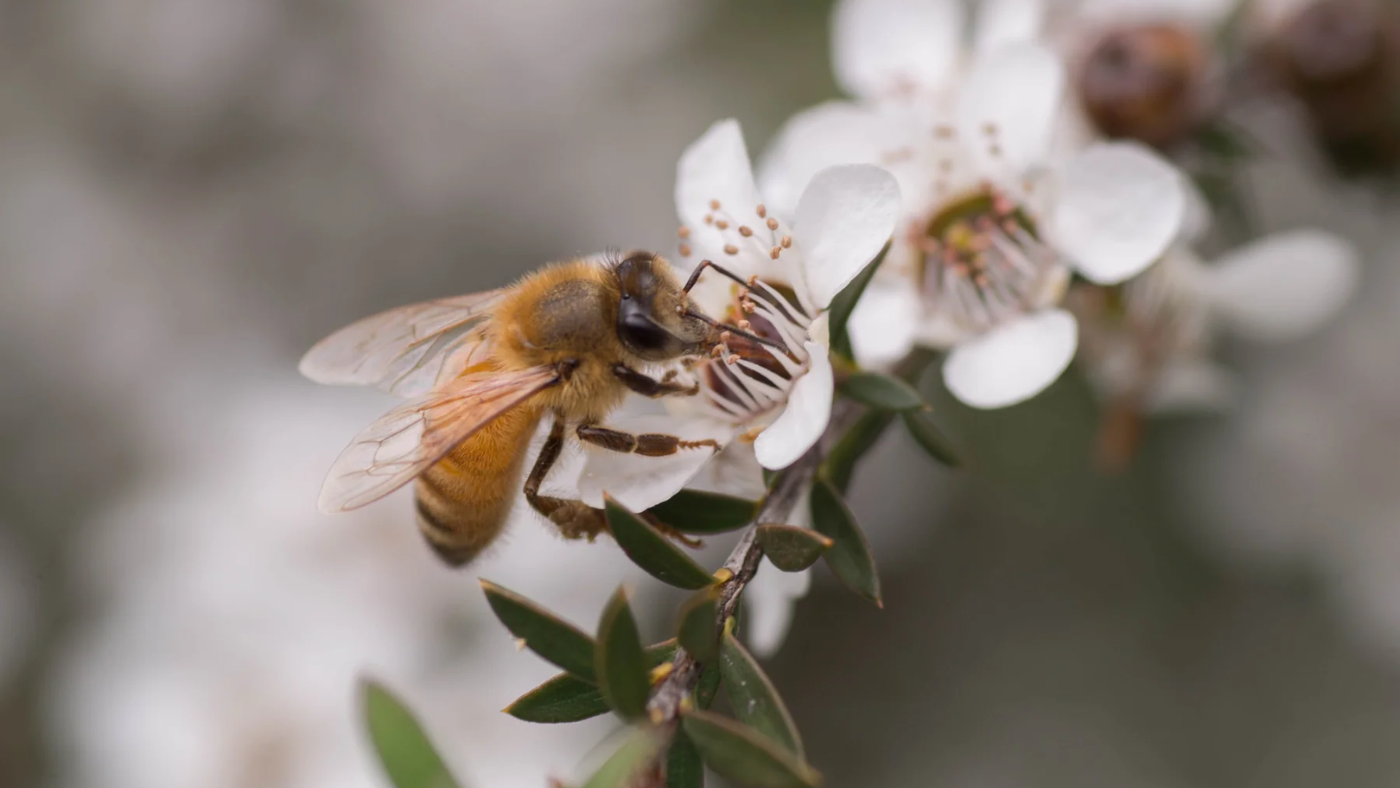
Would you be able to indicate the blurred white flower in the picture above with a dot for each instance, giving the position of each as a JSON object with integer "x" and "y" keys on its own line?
{"x": 993, "y": 223}
{"x": 916, "y": 49}
{"x": 1153, "y": 347}
{"x": 778, "y": 394}
{"x": 232, "y": 622}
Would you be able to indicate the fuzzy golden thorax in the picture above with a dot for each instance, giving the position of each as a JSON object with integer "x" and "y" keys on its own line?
{"x": 570, "y": 313}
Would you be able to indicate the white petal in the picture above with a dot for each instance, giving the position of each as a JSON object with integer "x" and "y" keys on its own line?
{"x": 1196, "y": 215}
{"x": 836, "y": 132}
{"x": 1007, "y": 106}
{"x": 639, "y": 482}
{"x": 883, "y": 323}
{"x": 1119, "y": 206}
{"x": 1284, "y": 285}
{"x": 1205, "y": 13}
{"x": 804, "y": 419}
{"x": 1013, "y": 362}
{"x": 1003, "y": 22}
{"x": 771, "y": 597}
{"x": 715, "y": 167}
{"x": 843, "y": 218}
{"x": 880, "y": 47}
{"x": 1191, "y": 385}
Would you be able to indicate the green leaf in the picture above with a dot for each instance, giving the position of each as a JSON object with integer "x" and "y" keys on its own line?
{"x": 622, "y": 666}
{"x": 845, "y": 303}
{"x": 649, "y": 549}
{"x": 744, "y": 755}
{"x": 930, "y": 439}
{"x": 639, "y": 752}
{"x": 849, "y": 556}
{"x": 882, "y": 391}
{"x": 408, "y": 757}
{"x": 754, "y": 698}
{"x": 695, "y": 512}
{"x": 695, "y": 628}
{"x": 684, "y": 769}
{"x": 566, "y": 698}
{"x": 707, "y": 687}
{"x": 790, "y": 548}
{"x": 860, "y": 438}
{"x": 543, "y": 632}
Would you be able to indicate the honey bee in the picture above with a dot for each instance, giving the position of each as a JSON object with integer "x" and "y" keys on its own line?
{"x": 484, "y": 370}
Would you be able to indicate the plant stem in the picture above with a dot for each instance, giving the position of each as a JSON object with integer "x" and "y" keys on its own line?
{"x": 778, "y": 505}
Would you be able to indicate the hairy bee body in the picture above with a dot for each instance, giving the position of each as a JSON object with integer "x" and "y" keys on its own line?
{"x": 566, "y": 313}
{"x": 558, "y": 313}
{"x": 482, "y": 372}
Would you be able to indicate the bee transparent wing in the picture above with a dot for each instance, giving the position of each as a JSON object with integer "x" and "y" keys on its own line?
{"x": 403, "y": 351}
{"x": 408, "y": 439}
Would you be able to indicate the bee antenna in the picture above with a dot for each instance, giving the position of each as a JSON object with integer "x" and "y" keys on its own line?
{"x": 699, "y": 269}
{"x": 735, "y": 330}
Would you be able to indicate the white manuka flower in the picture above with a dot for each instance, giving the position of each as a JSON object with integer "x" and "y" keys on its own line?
{"x": 1147, "y": 347}
{"x": 915, "y": 49}
{"x": 993, "y": 226}
{"x": 776, "y": 398}
{"x": 777, "y": 395}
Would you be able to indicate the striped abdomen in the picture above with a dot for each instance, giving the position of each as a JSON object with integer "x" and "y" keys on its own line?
{"x": 464, "y": 499}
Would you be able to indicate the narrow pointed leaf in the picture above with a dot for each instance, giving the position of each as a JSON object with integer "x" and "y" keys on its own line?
{"x": 790, "y": 548}
{"x": 754, "y": 698}
{"x": 744, "y": 755}
{"x": 649, "y": 549}
{"x": 408, "y": 757}
{"x": 696, "y": 512}
{"x": 637, "y": 754}
{"x": 930, "y": 439}
{"x": 566, "y": 698}
{"x": 620, "y": 661}
{"x": 707, "y": 687}
{"x": 684, "y": 769}
{"x": 849, "y": 556}
{"x": 845, "y": 303}
{"x": 543, "y": 632}
{"x": 858, "y": 439}
{"x": 882, "y": 391}
{"x": 695, "y": 629}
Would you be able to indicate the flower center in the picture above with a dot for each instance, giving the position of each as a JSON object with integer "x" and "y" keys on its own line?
{"x": 746, "y": 379}
{"x": 1145, "y": 83}
{"x": 980, "y": 259}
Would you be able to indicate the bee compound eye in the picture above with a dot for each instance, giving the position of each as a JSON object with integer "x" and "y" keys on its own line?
{"x": 641, "y": 334}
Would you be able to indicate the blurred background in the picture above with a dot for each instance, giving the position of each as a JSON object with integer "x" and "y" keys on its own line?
{"x": 194, "y": 191}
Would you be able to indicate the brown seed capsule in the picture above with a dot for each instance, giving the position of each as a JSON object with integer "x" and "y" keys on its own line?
{"x": 1341, "y": 59}
{"x": 1146, "y": 83}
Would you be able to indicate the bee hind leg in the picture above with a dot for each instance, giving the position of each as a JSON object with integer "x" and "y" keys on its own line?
{"x": 574, "y": 519}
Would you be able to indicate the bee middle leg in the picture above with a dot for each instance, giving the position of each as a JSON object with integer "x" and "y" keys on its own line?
{"x": 574, "y": 519}
{"x": 647, "y": 444}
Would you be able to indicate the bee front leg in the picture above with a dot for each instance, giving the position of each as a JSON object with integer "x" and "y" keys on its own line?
{"x": 651, "y": 387}
{"x": 574, "y": 519}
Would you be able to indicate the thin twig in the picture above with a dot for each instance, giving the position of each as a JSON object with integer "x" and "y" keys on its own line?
{"x": 778, "y": 505}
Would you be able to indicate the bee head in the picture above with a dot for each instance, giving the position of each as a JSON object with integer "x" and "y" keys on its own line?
{"x": 654, "y": 319}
